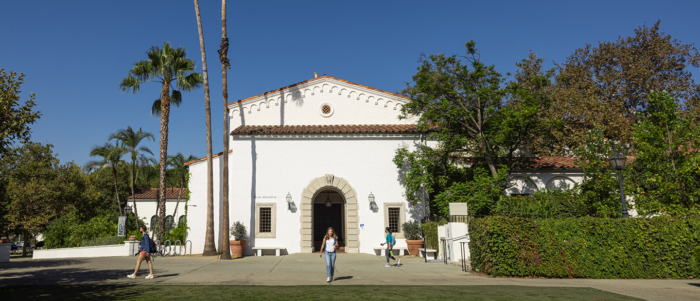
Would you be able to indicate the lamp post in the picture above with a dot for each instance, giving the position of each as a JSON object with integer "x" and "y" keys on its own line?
{"x": 127, "y": 211}
{"x": 617, "y": 161}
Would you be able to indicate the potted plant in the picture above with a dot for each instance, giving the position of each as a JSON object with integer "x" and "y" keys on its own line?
{"x": 411, "y": 230}
{"x": 240, "y": 234}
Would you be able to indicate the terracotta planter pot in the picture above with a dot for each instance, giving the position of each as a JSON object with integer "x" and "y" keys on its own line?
{"x": 4, "y": 241}
{"x": 413, "y": 246}
{"x": 237, "y": 248}
{"x": 132, "y": 238}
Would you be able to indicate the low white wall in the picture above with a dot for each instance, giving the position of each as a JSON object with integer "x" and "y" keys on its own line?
{"x": 5, "y": 252}
{"x": 129, "y": 248}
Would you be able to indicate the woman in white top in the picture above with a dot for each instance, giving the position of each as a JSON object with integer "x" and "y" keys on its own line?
{"x": 330, "y": 245}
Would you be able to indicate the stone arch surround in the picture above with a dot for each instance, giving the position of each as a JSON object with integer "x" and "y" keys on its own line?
{"x": 340, "y": 185}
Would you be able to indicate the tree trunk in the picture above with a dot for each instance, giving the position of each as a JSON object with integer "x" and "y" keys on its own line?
{"x": 164, "y": 120}
{"x": 223, "y": 52}
{"x": 26, "y": 242}
{"x": 116, "y": 190}
{"x": 209, "y": 245}
{"x": 133, "y": 196}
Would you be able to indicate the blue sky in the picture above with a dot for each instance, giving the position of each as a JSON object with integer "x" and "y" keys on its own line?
{"x": 75, "y": 53}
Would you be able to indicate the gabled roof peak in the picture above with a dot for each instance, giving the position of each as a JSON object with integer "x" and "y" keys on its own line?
{"x": 326, "y": 77}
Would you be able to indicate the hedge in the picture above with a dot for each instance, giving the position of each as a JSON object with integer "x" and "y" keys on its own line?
{"x": 430, "y": 230}
{"x": 601, "y": 248}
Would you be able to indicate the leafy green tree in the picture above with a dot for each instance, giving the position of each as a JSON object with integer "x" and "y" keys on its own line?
{"x": 599, "y": 190}
{"x": 110, "y": 156}
{"x": 481, "y": 193}
{"x": 40, "y": 188}
{"x": 609, "y": 85}
{"x": 15, "y": 117}
{"x": 472, "y": 112}
{"x": 169, "y": 67}
{"x": 130, "y": 140}
{"x": 666, "y": 171}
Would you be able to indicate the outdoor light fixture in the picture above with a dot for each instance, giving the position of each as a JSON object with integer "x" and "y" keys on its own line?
{"x": 617, "y": 161}
{"x": 289, "y": 201}
{"x": 372, "y": 204}
{"x": 127, "y": 210}
{"x": 328, "y": 200}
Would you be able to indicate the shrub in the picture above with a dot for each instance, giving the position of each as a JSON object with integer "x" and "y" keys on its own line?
{"x": 102, "y": 241}
{"x": 550, "y": 204}
{"x": 696, "y": 258}
{"x": 430, "y": 230}
{"x": 238, "y": 231}
{"x": 411, "y": 230}
{"x": 68, "y": 231}
{"x": 587, "y": 247}
{"x": 177, "y": 233}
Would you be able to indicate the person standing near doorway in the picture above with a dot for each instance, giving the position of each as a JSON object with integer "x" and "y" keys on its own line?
{"x": 145, "y": 254}
{"x": 328, "y": 247}
{"x": 390, "y": 242}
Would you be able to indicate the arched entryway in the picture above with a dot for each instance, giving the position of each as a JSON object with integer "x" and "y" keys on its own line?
{"x": 328, "y": 211}
{"x": 314, "y": 194}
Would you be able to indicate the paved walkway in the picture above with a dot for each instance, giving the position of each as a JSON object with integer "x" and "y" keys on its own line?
{"x": 306, "y": 269}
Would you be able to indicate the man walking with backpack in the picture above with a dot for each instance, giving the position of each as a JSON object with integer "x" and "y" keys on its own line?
{"x": 145, "y": 254}
{"x": 390, "y": 242}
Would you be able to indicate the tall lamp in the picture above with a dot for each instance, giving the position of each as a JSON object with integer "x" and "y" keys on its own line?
{"x": 127, "y": 211}
{"x": 617, "y": 161}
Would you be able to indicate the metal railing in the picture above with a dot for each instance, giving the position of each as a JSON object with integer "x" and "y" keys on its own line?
{"x": 461, "y": 218}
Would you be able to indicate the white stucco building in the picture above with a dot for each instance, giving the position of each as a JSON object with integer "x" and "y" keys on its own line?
{"x": 328, "y": 144}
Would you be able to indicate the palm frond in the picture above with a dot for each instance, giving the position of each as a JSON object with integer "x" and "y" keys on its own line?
{"x": 130, "y": 84}
{"x": 145, "y": 150}
{"x": 155, "y": 108}
{"x": 176, "y": 98}
{"x": 190, "y": 82}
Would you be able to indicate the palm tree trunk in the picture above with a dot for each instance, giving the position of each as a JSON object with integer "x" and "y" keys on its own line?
{"x": 209, "y": 245}
{"x": 223, "y": 53}
{"x": 133, "y": 196}
{"x": 116, "y": 190}
{"x": 164, "y": 120}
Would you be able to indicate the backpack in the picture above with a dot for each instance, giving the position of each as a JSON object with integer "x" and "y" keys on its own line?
{"x": 152, "y": 248}
{"x": 393, "y": 240}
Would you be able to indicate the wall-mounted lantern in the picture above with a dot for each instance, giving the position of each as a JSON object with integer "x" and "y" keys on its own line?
{"x": 290, "y": 205}
{"x": 372, "y": 204}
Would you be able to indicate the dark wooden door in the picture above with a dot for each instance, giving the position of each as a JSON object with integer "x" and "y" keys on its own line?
{"x": 325, "y": 217}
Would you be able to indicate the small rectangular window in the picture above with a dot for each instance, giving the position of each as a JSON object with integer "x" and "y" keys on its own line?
{"x": 394, "y": 219}
{"x": 265, "y": 220}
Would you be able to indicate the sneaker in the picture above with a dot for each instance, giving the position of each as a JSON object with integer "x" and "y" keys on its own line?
{"x": 398, "y": 262}
{"x": 328, "y": 279}
{"x": 387, "y": 266}
{"x": 132, "y": 276}
{"x": 149, "y": 276}
{"x": 331, "y": 279}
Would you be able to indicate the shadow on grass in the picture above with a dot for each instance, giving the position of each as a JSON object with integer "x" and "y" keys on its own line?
{"x": 74, "y": 292}
{"x": 73, "y": 276}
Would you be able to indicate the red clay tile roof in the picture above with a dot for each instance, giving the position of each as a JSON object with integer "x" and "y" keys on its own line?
{"x": 205, "y": 158}
{"x": 151, "y": 193}
{"x": 326, "y": 129}
{"x": 315, "y": 79}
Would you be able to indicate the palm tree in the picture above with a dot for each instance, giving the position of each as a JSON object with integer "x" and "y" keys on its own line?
{"x": 110, "y": 156}
{"x": 166, "y": 66}
{"x": 130, "y": 141}
{"x": 209, "y": 246}
{"x": 179, "y": 172}
{"x": 223, "y": 57}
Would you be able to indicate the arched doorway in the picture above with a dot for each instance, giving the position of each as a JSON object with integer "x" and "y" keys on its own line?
{"x": 328, "y": 211}
{"x": 346, "y": 199}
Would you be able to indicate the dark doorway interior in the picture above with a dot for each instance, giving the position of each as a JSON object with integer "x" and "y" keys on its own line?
{"x": 325, "y": 217}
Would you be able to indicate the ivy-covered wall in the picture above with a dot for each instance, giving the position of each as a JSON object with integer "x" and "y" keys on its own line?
{"x": 600, "y": 248}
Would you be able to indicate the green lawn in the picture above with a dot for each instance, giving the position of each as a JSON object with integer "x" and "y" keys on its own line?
{"x": 319, "y": 292}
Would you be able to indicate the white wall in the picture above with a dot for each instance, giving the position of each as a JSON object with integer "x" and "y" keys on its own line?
{"x": 269, "y": 168}
{"x": 542, "y": 180}
{"x": 129, "y": 248}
